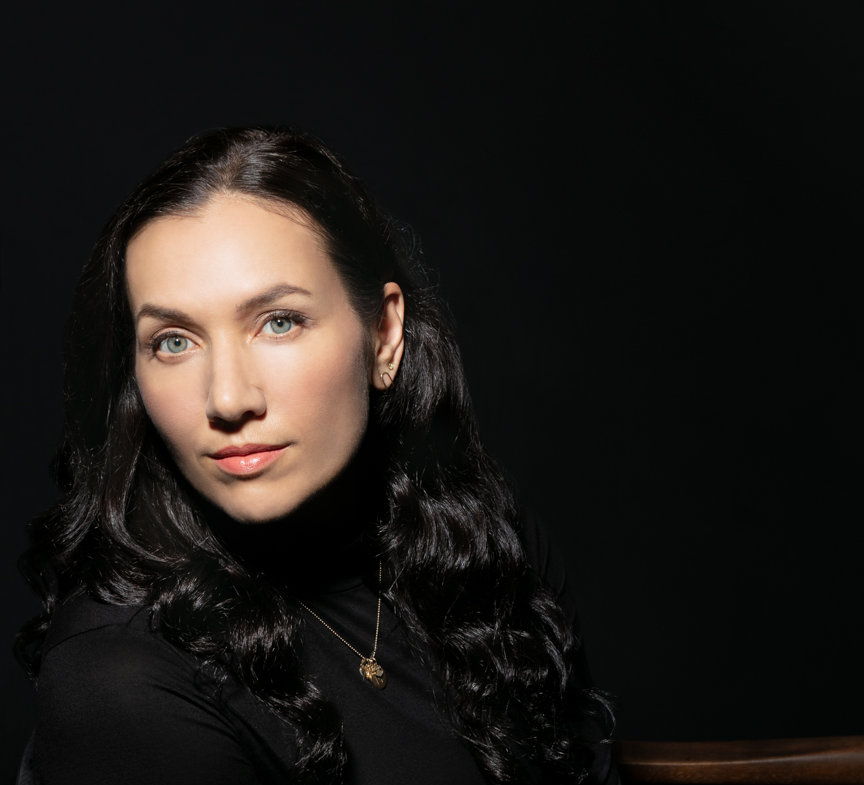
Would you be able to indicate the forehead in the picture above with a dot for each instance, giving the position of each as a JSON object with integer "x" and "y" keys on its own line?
{"x": 230, "y": 248}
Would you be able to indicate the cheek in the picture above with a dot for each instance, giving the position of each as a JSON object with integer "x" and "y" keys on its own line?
{"x": 172, "y": 408}
{"x": 327, "y": 392}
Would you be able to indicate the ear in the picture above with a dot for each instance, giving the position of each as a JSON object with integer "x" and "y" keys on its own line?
{"x": 388, "y": 338}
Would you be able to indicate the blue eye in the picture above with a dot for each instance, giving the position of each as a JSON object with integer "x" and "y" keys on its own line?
{"x": 279, "y": 325}
{"x": 174, "y": 344}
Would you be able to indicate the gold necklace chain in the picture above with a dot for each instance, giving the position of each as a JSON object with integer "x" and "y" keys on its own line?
{"x": 370, "y": 668}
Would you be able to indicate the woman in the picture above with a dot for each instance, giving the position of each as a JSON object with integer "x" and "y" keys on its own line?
{"x": 281, "y": 553}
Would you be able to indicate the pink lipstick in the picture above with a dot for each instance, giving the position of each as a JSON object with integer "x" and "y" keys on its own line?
{"x": 247, "y": 458}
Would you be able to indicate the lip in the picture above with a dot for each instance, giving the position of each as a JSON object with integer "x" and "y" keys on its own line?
{"x": 247, "y": 459}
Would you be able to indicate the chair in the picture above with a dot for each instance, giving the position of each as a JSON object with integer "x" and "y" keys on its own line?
{"x": 830, "y": 760}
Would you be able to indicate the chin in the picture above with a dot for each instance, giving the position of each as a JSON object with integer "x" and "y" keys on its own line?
{"x": 251, "y": 514}
{"x": 262, "y": 500}
{"x": 247, "y": 505}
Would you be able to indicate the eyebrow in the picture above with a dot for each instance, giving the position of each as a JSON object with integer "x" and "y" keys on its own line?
{"x": 268, "y": 295}
{"x": 256, "y": 301}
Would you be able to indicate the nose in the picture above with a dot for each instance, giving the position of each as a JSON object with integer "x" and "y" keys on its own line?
{"x": 233, "y": 395}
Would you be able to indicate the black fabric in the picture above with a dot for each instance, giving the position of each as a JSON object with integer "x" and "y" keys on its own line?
{"x": 117, "y": 703}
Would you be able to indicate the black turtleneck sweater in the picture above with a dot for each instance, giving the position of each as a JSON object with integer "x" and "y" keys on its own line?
{"x": 117, "y": 703}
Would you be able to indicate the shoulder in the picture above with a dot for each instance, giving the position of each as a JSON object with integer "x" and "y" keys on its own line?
{"x": 535, "y": 539}
{"x": 98, "y": 656}
{"x": 108, "y": 644}
{"x": 116, "y": 701}
{"x": 545, "y": 557}
{"x": 550, "y": 562}
{"x": 81, "y": 614}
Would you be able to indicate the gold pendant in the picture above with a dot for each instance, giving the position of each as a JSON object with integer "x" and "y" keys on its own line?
{"x": 373, "y": 673}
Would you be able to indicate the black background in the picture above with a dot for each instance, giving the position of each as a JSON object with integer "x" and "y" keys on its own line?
{"x": 646, "y": 221}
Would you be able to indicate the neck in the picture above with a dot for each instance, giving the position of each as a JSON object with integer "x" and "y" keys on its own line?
{"x": 326, "y": 543}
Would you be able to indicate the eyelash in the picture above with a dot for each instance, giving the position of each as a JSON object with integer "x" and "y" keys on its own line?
{"x": 292, "y": 316}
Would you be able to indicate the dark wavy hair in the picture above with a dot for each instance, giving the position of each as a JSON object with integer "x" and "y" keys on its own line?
{"x": 448, "y": 533}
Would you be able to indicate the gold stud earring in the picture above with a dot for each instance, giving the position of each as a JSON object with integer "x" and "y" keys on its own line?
{"x": 389, "y": 380}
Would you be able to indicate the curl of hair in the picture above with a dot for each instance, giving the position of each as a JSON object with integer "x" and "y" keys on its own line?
{"x": 458, "y": 577}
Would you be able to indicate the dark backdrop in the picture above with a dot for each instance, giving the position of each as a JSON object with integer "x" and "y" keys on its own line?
{"x": 646, "y": 221}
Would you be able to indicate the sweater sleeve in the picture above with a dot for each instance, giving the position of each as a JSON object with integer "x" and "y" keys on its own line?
{"x": 117, "y": 705}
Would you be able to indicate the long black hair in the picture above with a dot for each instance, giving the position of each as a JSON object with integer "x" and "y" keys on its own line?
{"x": 448, "y": 528}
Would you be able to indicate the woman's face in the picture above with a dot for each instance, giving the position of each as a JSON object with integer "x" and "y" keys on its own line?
{"x": 251, "y": 362}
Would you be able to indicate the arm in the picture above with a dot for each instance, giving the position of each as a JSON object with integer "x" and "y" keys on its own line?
{"x": 117, "y": 705}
